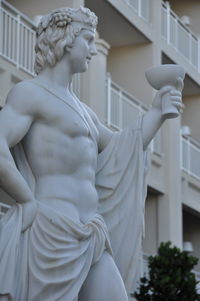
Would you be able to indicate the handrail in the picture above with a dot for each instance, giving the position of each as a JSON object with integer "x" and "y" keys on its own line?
{"x": 180, "y": 37}
{"x": 17, "y": 38}
{"x": 117, "y": 99}
{"x": 141, "y": 8}
{"x": 166, "y": 5}
{"x": 190, "y": 156}
{"x": 6, "y": 5}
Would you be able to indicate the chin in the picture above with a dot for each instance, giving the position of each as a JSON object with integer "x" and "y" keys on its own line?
{"x": 82, "y": 69}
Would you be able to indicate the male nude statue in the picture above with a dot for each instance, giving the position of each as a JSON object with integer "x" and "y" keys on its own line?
{"x": 69, "y": 252}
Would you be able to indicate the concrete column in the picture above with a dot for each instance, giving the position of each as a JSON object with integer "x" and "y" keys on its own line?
{"x": 170, "y": 205}
{"x": 93, "y": 82}
{"x": 155, "y": 14}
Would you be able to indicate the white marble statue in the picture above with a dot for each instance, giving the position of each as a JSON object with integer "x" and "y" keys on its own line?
{"x": 78, "y": 189}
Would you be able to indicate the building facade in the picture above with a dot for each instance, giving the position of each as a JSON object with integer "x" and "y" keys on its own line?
{"x": 133, "y": 35}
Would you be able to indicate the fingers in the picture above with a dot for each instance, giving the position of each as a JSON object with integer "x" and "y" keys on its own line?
{"x": 171, "y": 90}
{"x": 173, "y": 95}
{"x": 177, "y": 90}
{"x": 176, "y": 100}
{"x": 164, "y": 90}
{"x": 179, "y": 84}
{"x": 176, "y": 93}
{"x": 178, "y": 105}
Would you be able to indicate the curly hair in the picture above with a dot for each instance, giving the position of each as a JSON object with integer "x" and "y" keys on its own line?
{"x": 57, "y": 32}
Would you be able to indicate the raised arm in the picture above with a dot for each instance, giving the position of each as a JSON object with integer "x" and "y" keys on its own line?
{"x": 152, "y": 120}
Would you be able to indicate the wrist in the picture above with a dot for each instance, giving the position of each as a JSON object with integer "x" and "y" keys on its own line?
{"x": 157, "y": 114}
{"x": 156, "y": 111}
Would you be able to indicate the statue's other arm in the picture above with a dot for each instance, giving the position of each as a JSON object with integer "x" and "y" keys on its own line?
{"x": 153, "y": 119}
{"x": 15, "y": 121}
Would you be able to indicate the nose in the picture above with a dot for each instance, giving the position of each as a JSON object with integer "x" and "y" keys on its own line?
{"x": 93, "y": 49}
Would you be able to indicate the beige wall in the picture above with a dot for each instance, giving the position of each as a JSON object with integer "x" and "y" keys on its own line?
{"x": 41, "y": 7}
{"x": 127, "y": 66}
{"x": 189, "y": 8}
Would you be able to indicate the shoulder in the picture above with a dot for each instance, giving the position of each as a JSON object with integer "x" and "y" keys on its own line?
{"x": 105, "y": 134}
{"x": 21, "y": 91}
{"x": 92, "y": 114}
{"x": 23, "y": 97}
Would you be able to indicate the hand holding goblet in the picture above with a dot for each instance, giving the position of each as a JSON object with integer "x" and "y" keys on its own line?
{"x": 167, "y": 78}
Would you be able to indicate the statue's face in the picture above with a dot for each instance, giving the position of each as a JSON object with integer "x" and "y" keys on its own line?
{"x": 82, "y": 50}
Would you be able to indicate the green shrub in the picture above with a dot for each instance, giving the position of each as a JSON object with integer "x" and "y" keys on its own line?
{"x": 170, "y": 277}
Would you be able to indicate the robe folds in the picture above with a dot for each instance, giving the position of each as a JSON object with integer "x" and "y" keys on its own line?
{"x": 57, "y": 254}
{"x": 55, "y": 251}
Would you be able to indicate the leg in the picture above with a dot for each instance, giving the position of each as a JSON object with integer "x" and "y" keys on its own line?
{"x": 103, "y": 282}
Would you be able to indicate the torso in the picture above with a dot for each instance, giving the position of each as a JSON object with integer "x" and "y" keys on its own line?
{"x": 62, "y": 152}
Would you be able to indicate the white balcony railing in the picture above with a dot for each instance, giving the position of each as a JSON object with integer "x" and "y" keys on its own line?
{"x": 180, "y": 37}
{"x": 17, "y": 37}
{"x": 17, "y": 41}
{"x": 123, "y": 109}
{"x": 141, "y": 8}
{"x": 190, "y": 157}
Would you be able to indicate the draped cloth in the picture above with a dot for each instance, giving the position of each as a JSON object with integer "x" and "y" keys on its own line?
{"x": 56, "y": 252}
{"x": 121, "y": 185}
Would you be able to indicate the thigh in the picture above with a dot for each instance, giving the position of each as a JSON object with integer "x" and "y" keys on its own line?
{"x": 104, "y": 282}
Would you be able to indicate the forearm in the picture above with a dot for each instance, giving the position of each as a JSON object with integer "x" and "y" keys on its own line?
{"x": 12, "y": 182}
{"x": 151, "y": 123}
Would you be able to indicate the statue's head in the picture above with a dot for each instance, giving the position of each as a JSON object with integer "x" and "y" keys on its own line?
{"x": 57, "y": 32}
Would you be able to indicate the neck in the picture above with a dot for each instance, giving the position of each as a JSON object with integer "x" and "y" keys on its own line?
{"x": 58, "y": 77}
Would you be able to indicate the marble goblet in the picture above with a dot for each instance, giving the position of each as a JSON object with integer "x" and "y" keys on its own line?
{"x": 165, "y": 75}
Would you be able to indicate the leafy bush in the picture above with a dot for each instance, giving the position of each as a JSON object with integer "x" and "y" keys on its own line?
{"x": 170, "y": 277}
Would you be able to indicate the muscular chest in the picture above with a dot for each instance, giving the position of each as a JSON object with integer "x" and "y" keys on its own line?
{"x": 65, "y": 117}
{"x": 62, "y": 136}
